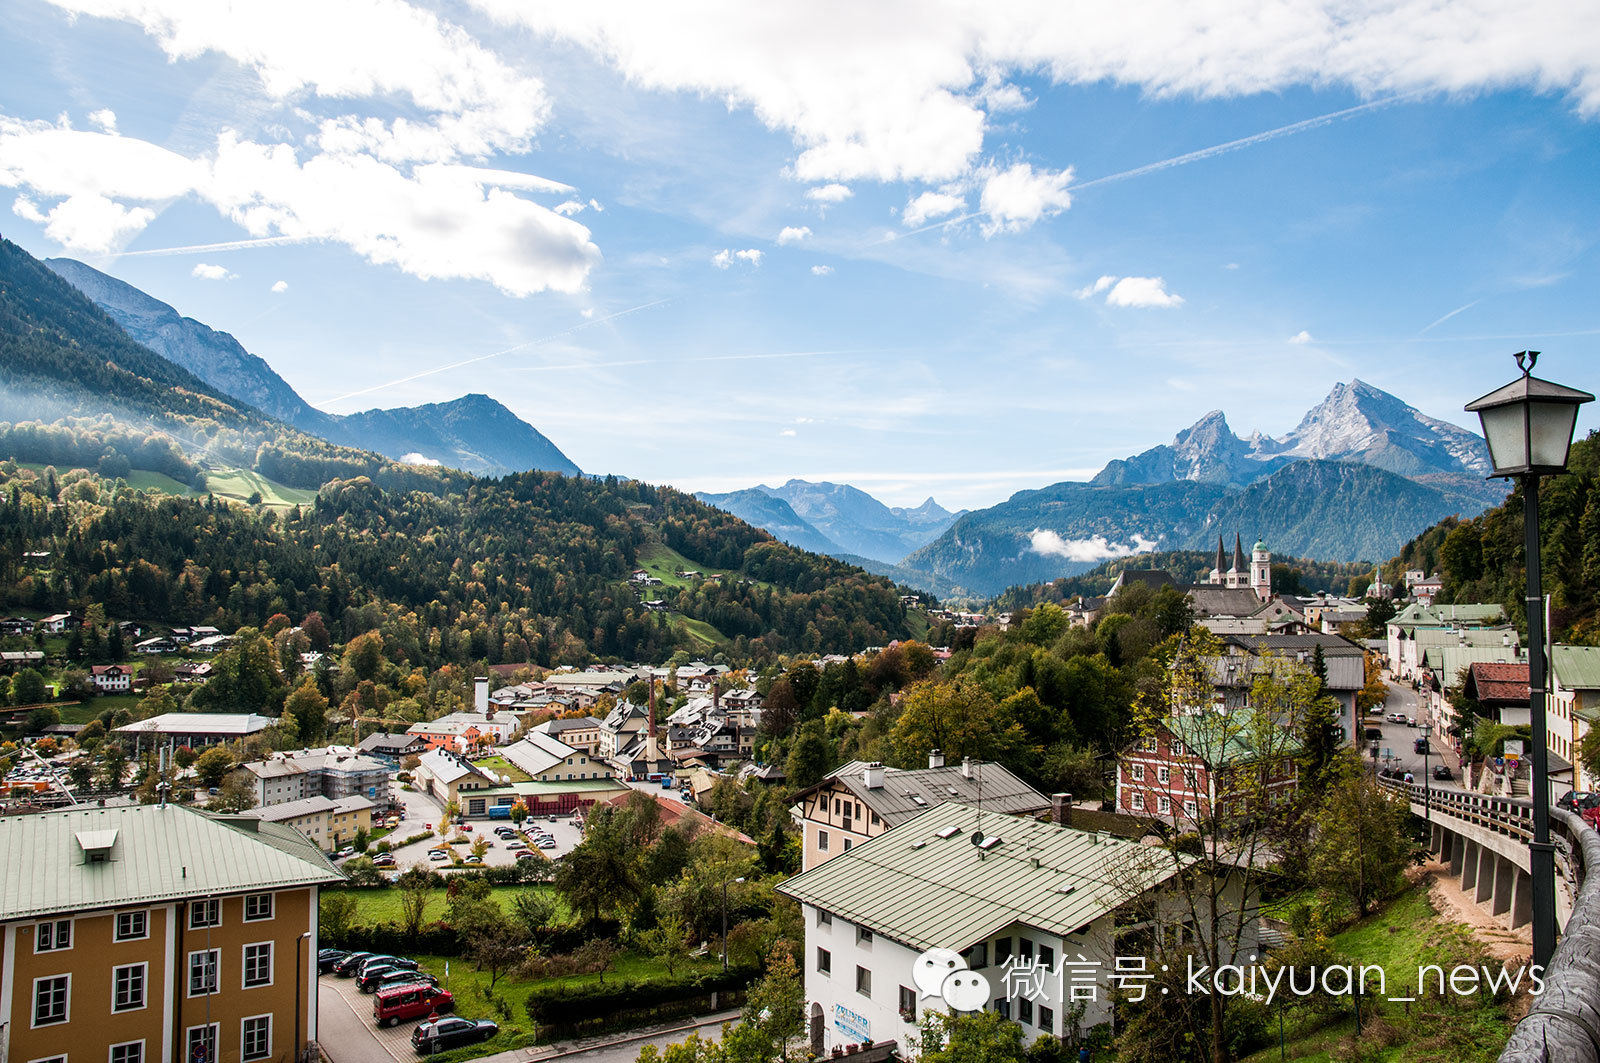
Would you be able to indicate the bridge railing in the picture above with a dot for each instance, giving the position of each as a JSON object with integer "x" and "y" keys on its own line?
{"x": 1563, "y": 1024}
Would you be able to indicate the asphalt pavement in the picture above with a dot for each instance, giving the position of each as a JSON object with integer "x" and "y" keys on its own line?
{"x": 1397, "y": 747}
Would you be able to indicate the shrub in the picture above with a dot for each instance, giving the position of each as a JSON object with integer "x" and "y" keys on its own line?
{"x": 551, "y": 1004}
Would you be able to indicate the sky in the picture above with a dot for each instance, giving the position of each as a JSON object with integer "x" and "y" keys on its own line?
{"x": 955, "y": 249}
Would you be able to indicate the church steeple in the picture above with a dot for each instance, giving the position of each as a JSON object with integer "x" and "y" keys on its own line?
{"x": 1217, "y": 570}
{"x": 1238, "y": 554}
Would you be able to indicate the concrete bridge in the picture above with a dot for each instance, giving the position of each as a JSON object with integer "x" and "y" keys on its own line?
{"x": 1485, "y": 840}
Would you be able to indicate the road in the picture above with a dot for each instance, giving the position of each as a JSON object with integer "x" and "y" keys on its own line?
{"x": 1397, "y": 747}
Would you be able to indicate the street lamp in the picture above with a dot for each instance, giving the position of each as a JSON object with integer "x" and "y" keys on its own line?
{"x": 1528, "y": 425}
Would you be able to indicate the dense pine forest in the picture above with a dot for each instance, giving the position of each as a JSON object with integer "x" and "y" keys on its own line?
{"x": 532, "y": 567}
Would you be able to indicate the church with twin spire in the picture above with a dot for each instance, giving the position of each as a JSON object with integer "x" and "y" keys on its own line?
{"x": 1256, "y": 576}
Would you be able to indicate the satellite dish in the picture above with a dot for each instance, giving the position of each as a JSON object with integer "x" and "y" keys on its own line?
{"x": 977, "y": 837}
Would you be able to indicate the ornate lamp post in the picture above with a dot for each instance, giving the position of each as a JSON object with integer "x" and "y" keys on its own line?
{"x": 1528, "y": 425}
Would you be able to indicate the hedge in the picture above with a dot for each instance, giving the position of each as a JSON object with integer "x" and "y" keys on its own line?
{"x": 561, "y": 999}
{"x": 434, "y": 939}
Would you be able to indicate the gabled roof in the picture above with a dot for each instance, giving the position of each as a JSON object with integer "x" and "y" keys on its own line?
{"x": 1501, "y": 682}
{"x": 1223, "y": 601}
{"x": 447, "y": 767}
{"x": 190, "y": 723}
{"x": 389, "y": 743}
{"x": 1577, "y": 667}
{"x": 160, "y": 852}
{"x": 906, "y": 793}
{"x": 539, "y": 752}
{"x": 926, "y": 885}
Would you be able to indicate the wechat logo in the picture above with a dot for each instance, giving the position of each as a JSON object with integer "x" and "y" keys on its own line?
{"x": 943, "y": 973}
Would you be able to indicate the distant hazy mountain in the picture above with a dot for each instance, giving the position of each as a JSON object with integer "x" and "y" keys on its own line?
{"x": 861, "y": 524}
{"x": 774, "y": 516}
{"x": 474, "y": 432}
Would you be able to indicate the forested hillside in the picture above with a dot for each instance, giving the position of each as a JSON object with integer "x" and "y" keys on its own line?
{"x": 1482, "y": 560}
{"x": 532, "y": 567}
{"x": 1290, "y": 575}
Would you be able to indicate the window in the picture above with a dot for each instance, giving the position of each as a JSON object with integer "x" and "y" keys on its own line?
{"x": 908, "y": 1004}
{"x": 50, "y": 999}
{"x": 1136, "y": 772}
{"x": 863, "y": 981}
{"x": 203, "y": 972}
{"x": 202, "y": 1043}
{"x": 127, "y": 987}
{"x": 205, "y": 913}
{"x": 1047, "y": 957}
{"x": 1191, "y": 780}
{"x": 1190, "y": 809}
{"x": 1163, "y": 775}
{"x": 822, "y": 840}
{"x": 824, "y": 918}
{"x": 1179, "y": 749}
{"x": 1025, "y": 1010}
{"x": 847, "y": 845}
{"x": 1024, "y": 949}
{"x": 1138, "y": 802}
{"x": 258, "y": 965}
{"x": 978, "y": 956}
{"x": 824, "y": 961}
{"x": 863, "y": 935}
{"x": 129, "y": 1052}
{"x": 1047, "y": 1019}
{"x": 257, "y": 906}
{"x": 53, "y": 937}
{"x": 1003, "y": 1008}
{"x": 132, "y": 926}
{"x": 1002, "y": 951}
{"x": 1163, "y": 804}
{"x": 256, "y": 1038}
{"x": 1147, "y": 744}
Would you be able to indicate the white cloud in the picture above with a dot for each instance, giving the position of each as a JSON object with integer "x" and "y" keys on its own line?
{"x": 792, "y": 234}
{"x": 788, "y": 432}
{"x": 208, "y": 272}
{"x": 1142, "y": 292}
{"x": 595, "y": 204}
{"x": 473, "y": 104}
{"x": 1016, "y": 197}
{"x": 432, "y": 220}
{"x": 279, "y": 287}
{"x": 1300, "y": 337}
{"x": 821, "y": 271}
{"x": 750, "y": 255}
{"x": 906, "y": 94}
{"x": 930, "y": 205}
{"x": 726, "y": 257}
{"x": 105, "y": 118}
{"x": 1096, "y": 288}
{"x": 1093, "y": 549}
{"x": 834, "y": 193}
{"x": 569, "y": 208}
{"x": 415, "y": 458}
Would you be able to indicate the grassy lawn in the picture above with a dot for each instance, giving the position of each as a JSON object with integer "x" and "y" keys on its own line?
{"x": 704, "y": 635}
{"x": 470, "y": 989}
{"x": 144, "y": 480}
{"x": 1401, "y": 938}
{"x": 240, "y": 484}
{"x": 663, "y": 561}
{"x": 502, "y": 766}
{"x": 383, "y": 906}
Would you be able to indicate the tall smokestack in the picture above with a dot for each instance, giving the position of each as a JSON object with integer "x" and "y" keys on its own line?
{"x": 652, "y": 706}
{"x": 480, "y": 694}
{"x": 716, "y": 696}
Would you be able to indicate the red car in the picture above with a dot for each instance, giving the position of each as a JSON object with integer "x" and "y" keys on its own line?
{"x": 1584, "y": 803}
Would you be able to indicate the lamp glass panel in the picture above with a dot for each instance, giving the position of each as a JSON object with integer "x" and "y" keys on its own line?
{"x": 1552, "y": 424}
{"x": 1502, "y": 428}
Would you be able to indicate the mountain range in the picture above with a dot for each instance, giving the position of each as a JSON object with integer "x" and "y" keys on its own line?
{"x": 837, "y": 519}
{"x": 474, "y": 433}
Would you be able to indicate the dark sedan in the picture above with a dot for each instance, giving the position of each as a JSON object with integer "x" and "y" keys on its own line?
{"x": 348, "y": 966}
{"x": 451, "y": 1033}
{"x": 326, "y": 958}
{"x": 376, "y": 980}
{"x": 1442, "y": 772}
{"x": 371, "y": 963}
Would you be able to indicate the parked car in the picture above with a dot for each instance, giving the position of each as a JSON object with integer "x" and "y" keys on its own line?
{"x": 516, "y": 843}
{"x": 383, "y": 860}
{"x": 546, "y": 843}
{"x": 372, "y": 963}
{"x": 1442, "y": 771}
{"x": 451, "y": 1033}
{"x": 416, "y": 1000}
{"x": 348, "y": 850}
{"x": 1396, "y": 717}
{"x": 1411, "y": 721}
{"x": 326, "y": 958}
{"x": 346, "y": 968}
{"x": 552, "y": 815}
{"x": 527, "y": 854}
{"x": 395, "y": 976}
{"x": 466, "y": 826}
{"x": 1421, "y": 745}
{"x": 1583, "y": 802}
{"x": 473, "y": 861}
{"x": 438, "y": 854}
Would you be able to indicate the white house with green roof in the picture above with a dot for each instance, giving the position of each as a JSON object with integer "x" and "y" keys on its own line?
{"x": 1005, "y": 894}
{"x": 1574, "y": 705}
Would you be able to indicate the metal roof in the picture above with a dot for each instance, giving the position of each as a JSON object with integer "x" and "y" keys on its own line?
{"x": 200, "y": 723}
{"x": 905, "y": 793}
{"x": 921, "y": 889}
{"x": 1577, "y": 667}
{"x": 161, "y": 853}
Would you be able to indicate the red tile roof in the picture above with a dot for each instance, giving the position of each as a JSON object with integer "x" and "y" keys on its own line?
{"x": 1501, "y": 682}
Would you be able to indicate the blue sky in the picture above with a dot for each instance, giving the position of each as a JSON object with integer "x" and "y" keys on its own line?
{"x": 924, "y": 250}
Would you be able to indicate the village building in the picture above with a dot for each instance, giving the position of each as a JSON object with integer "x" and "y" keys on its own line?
{"x": 194, "y": 729}
{"x": 111, "y": 678}
{"x": 1190, "y": 764}
{"x": 330, "y": 822}
{"x": 332, "y": 771}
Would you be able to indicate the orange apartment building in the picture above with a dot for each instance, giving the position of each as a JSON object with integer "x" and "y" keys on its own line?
{"x": 157, "y": 933}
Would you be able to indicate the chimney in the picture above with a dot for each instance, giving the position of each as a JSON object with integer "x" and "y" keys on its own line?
{"x": 480, "y": 694}
{"x": 872, "y": 775}
{"x": 716, "y": 697}
{"x": 1061, "y": 809}
{"x": 935, "y": 758}
{"x": 966, "y": 767}
{"x": 652, "y": 706}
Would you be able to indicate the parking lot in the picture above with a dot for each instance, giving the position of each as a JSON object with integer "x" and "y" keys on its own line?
{"x": 344, "y": 1014}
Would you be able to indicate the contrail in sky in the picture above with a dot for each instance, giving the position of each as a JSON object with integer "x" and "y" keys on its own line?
{"x": 497, "y": 354}
{"x": 1451, "y": 314}
{"x": 227, "y": 245}
{"x": 1195, "y": 156}
{"x": 704, "y": 358}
